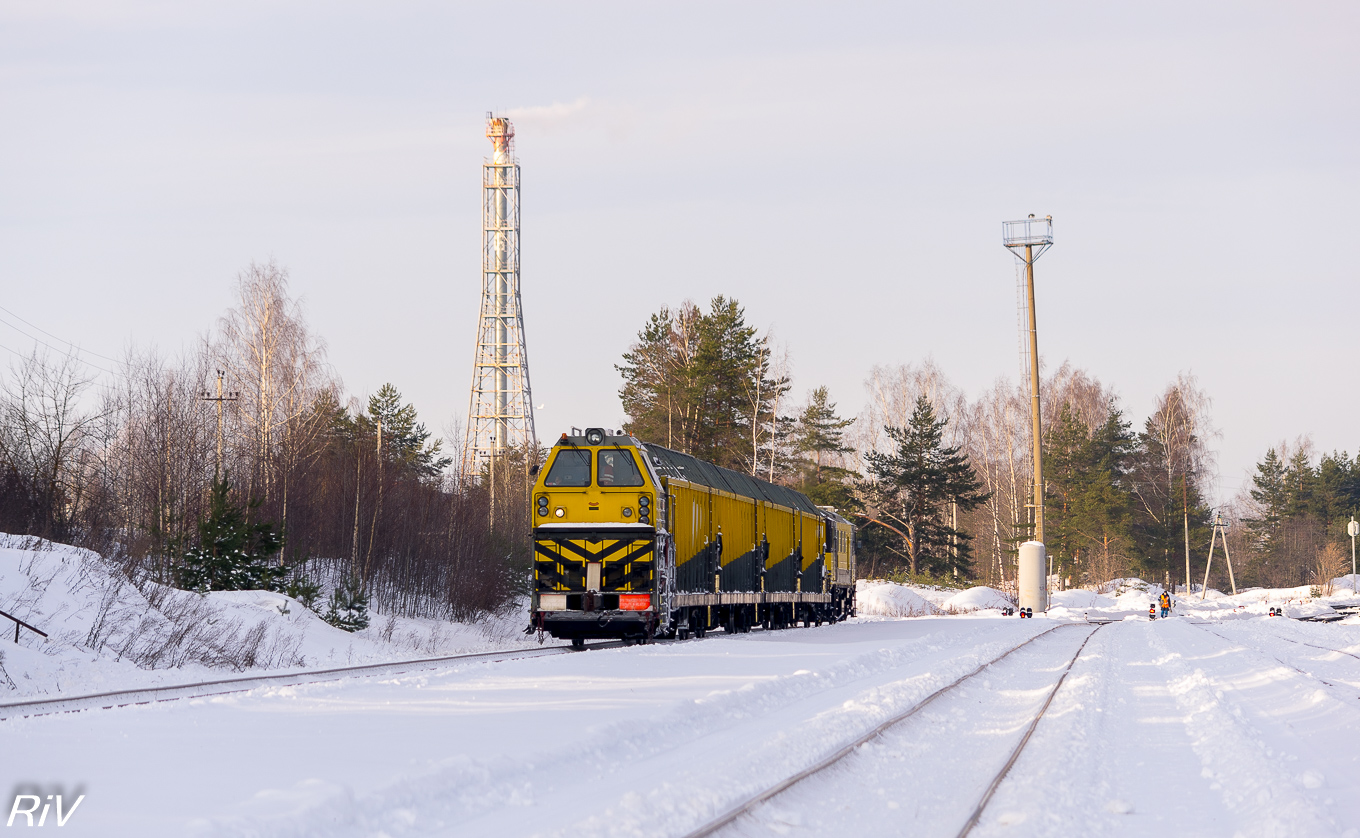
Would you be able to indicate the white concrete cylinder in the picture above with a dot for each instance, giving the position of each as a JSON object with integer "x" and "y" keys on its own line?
{"x": 1032, "y": 576}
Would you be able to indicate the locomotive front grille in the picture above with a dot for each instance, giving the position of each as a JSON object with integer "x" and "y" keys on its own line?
{"x": 606, "y": 564}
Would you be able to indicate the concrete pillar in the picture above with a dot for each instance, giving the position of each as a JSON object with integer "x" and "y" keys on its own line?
{"x": 1032, "y": 576}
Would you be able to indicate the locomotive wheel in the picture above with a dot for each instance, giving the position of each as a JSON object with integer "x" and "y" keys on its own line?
{"x": 578, "y": 643}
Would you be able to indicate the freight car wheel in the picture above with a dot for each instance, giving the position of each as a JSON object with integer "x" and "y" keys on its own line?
{"x": 578, "y": 643}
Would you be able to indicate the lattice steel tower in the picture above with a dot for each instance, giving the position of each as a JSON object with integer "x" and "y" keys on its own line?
{"x": 500, "y": 412}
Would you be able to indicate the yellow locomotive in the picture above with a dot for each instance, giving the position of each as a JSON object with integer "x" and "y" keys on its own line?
{"x": 633, "y": 540}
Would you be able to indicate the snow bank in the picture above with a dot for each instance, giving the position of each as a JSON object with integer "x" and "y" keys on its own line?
{"x": 976, "y": 599}
{"x": 1131, "y": 598}
{"x": 1078, "y": 598}
{"x": 875, "y": 597}
{"x": 106, "y": 632}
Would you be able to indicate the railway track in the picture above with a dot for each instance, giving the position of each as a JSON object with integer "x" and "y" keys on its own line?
{"x": 751, "y": 803}
{"x": 1343, "y": 687}
{"x": 1324, "y": 648}
{"x": 227, "y": 686}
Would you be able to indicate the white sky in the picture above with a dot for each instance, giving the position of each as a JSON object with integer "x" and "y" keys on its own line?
{"x": 842, "y": 169}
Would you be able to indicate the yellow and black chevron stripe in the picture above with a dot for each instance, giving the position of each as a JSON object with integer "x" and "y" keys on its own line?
{"x": 626, "y": 562}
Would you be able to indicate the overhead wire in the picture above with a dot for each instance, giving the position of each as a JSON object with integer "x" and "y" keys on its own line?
{"x": 57, "y": 337}
{"x": 73, "y": 349}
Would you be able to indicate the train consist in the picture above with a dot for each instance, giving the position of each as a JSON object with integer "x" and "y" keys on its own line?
{"x": 635, "y": 541}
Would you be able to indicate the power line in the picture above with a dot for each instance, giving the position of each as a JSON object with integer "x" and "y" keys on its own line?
{"x": 55, "y": 337}
{"x": 74, "y": 349}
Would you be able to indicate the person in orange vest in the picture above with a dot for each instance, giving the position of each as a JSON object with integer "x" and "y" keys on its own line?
{"x": 1165, "y": 602}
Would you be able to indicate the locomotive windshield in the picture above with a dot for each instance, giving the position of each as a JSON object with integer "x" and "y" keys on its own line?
{"x": 570, "y": 469}
{"x": 617, "y": 468}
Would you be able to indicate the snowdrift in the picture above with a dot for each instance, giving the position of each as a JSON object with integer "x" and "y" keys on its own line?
{"x": 107, "y": 632}
{"x": 977, "y": 599}
{"x": 877, "y": 598}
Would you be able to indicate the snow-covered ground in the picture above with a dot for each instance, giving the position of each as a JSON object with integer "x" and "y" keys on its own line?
{"x": 1218, "y": 721}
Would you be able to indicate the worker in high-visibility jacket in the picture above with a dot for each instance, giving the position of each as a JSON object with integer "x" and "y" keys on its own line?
{"x": 1165, "y": 602}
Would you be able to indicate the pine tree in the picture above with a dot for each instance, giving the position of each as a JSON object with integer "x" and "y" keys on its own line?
{"x": 405, "y": 440}
{"x": 703, "y": 384}
{"x": 348, "y": 606}
{"x": 1270, "y": 491}
{"x": 1087, "y": 510}
{"x": 819, "y": 433}
{"x": 918, "y": 483}
{"x": 232, "y": 554}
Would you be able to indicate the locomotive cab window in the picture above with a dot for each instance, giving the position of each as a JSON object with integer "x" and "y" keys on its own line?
{"x": 570, "y": 469}
{"x": 618, "y": 468}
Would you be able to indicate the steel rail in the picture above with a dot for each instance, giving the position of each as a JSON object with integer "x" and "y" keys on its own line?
{"x": 750, "y": 803}
{"x": 225, "y": 686}
{"x": 1015, "y": 754}
{"x": 1282, "y": 661}
{"x": 1315, "y": 646}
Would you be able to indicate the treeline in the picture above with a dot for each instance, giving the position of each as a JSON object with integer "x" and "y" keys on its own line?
{"x": 356, "y": 491}
{"x": 940, "y": 483}
{"x": 1295, "y": 513}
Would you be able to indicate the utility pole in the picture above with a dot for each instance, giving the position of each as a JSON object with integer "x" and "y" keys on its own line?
{"x": 354, "y": 547}
{"x": 1353, "y": 529}
{"x": 1185, "y": 507}
{"x": 219, "y": 398}
{"x": 1035, "y": 236}
{"x": 1219, "y": 527}
{"x": 377, "y": 508}
{"x": 1032, "y": 236}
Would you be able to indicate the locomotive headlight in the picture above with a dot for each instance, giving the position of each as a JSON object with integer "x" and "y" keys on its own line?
{"x": 644, "y": 519}
{"x": 560, "y": 512}
{"x": 644, "y": 502}
{"x": 627, "y": 512}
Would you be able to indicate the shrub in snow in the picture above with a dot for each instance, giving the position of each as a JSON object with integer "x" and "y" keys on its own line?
{"x": 303, "y": 589}
{"x": 233, "y": 554}
{"x": 348, "y": 608}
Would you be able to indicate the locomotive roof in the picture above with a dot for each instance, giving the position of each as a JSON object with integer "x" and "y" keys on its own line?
{"x": 674, "y": 464}
{"x": 830, "y": 512}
